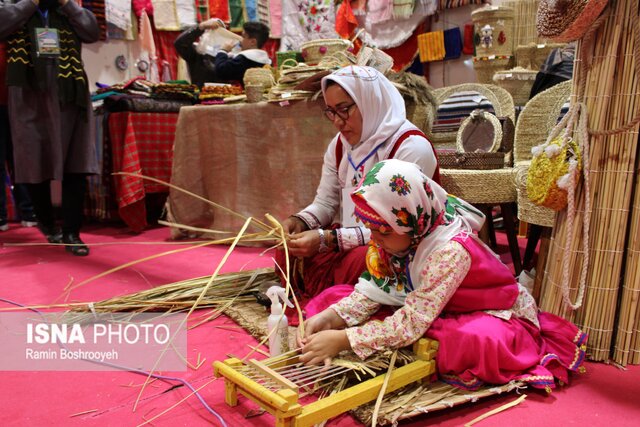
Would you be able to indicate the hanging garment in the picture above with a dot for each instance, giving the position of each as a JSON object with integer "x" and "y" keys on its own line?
{"x": 431, "y": 46}
{"x": 219, "y": 9}
{"x": 304, "y": 20}
{"x": 452, "y": 43}
{"x": 379, "y": 11}
{"x": 469, "y": 47}
{"x": 165, "y": 17}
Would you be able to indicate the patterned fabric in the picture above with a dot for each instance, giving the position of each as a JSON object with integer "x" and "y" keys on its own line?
{"x": 397, "y": 196}
{"x": 452, "y": 4}
{"x": 220, "y": 9}
{"x": 142, "y": 143}
{"x": 165, "y": 50}
{"x": 305, "y": 20}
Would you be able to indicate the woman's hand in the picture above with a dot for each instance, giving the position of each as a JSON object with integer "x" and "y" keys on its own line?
{"x": 321, "y": 347}
{"x": 305, "y": 244}
{"x": 294, "y": 225}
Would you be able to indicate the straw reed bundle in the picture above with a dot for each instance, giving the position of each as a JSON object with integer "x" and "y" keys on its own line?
{"x": 612, "y": 96}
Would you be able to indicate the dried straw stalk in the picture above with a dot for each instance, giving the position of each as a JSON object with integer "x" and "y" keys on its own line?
{"x": 612, "y": 100}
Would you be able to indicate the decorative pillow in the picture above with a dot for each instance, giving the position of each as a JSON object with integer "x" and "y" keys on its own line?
{"x": 458, "y": 107}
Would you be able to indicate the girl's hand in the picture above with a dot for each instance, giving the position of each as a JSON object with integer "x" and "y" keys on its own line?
{"x": 321, "y": 347}
{"x": 326, "y": 320}
{"x": 305, "y": 244}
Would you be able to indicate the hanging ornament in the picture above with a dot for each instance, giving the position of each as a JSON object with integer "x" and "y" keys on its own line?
{"x": 502, "y": 38}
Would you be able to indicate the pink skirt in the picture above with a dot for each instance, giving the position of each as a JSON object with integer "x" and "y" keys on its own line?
{"x": 477, "y": 348}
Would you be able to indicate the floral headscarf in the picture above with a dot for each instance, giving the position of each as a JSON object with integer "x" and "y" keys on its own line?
{"x": 396, "y": 194}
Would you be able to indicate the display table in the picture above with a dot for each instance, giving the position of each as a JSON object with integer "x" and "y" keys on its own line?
{"x": 141, "y": 143}
{"x": 252, "y": 158}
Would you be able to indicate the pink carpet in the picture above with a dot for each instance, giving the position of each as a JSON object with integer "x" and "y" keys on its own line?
{"x": 34, "y": 275}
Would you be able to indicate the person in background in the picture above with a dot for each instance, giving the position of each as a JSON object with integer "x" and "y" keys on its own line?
{"x": 443, "y": 283}
{"x": 49, "y": 108}
{"x": 369, "y": 114}
{"x": 557, "y": 68}
{"x": 224, "y": 67}
{"x": 20, "y": 192}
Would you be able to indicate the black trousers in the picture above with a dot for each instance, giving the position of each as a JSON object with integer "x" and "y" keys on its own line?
{"x": 74, "y": 187}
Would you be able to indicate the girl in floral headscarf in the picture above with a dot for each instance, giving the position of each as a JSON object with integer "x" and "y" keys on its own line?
{"x": 445, "y": 284}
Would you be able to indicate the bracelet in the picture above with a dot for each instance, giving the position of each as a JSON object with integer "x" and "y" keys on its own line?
{"x": 336, "y": 246}
{"x": 323, "y": 242}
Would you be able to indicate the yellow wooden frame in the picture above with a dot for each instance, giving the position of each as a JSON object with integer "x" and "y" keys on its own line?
{"x": 283, "y": 404}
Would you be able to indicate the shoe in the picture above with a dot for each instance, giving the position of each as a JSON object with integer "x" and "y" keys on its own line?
{"x": 75, "y": 245}
{"x": 53, "y": 234}
{"x": 29, "y": 220}
{"x": 4, "y": 225}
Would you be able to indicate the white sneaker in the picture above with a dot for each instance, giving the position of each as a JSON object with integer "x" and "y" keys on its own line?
{"x": 28, "y": 223}
{"x": 4, "y": 226}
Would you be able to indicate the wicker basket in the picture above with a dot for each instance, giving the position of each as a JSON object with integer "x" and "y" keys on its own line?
{"x": 259, "y": 76}
{"x": 532, "y": 55}
{"x": 288, "y": 54}
{"x": 493, "y": 28}
{"x": 518, "y": 82}
{"x": 486, "y": 67}
{"x": 255, "y": 92}
{"x": 313, "y": 51}
{"x": 478, "y": 161}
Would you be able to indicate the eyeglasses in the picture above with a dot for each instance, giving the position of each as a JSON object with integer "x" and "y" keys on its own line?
{"x": 342, "y": 112}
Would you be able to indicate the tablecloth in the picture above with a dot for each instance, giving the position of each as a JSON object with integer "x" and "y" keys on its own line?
{"x": 141, "y": 143}
{"x": 252, "y": 158}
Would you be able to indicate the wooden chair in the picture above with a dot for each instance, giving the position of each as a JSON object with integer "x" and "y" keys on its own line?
{"x": 486, "y": 188}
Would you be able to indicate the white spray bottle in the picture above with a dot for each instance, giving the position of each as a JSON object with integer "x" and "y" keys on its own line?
{"x": 277, "y": 324}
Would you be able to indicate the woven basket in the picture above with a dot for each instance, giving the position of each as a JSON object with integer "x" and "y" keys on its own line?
{"x": 259, "y": 76}
{"x": 313, "y": 51}
{"x": 466, "y": 145}
{"x": 527, "y": 210}
{"x": 478, "y": 161}
{"x": 518, "y": 82}
{"x": 486, "y": 67}
{"x": 288, "y": 54}
{"x": 499, "y": 40}
{"x": 255, "y": 92}
{"x": 533, "y": 55}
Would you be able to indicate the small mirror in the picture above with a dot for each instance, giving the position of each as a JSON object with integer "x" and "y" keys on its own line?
{"x": 480, "y": 133}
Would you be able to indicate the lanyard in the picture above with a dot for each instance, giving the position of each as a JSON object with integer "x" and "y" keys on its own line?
{"x": 356, "y": 168}
{"x": 45, "y": 17}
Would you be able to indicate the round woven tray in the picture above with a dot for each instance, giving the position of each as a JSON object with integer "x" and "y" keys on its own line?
{"x": 467, "y": 145}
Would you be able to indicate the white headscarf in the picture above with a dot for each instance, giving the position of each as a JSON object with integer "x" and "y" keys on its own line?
{"x": 380, "y": 103}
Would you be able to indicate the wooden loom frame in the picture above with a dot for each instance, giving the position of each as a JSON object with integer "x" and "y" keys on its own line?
{"x": 283, "y": 404}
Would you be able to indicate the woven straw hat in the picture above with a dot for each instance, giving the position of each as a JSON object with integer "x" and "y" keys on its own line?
{"x": 567, "y": 20}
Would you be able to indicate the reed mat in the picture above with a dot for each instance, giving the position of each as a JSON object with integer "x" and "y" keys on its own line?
{"x": 408, "y": 402}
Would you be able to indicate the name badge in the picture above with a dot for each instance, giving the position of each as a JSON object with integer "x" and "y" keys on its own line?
{"x": 47, "y": 42}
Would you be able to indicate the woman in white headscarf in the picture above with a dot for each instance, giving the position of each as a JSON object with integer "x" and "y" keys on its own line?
{"x": 370, "y": 116}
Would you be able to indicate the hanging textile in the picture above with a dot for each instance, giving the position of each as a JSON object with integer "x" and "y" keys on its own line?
{"x": 403, "y": 9}
{"x": 148, "y": 48}
{"x": 166, "y": 52}
{"x": 262, "y": 9}
{"x": 250, "y": 9}
{"x": 118, "y": 13}
{"x": 469, "y": 46}
{"x": 346, "y": 22}
{"x": 395, "y": 32}
{"x": 140, "y": 5}
{"x": 98, "y": 9}
{"x": 304, "y": 20}
{"x": 275, "y": 16}
{"x": 220, "y": 9}
{"x": 452, "y": 4}
{"x": 165, "y": 17}
{"x": 431, "y": 46}
{"x": 452, "y": 43}
{"x": 379, "y": 11}
{"x": 404, "y": 54}
{"x": 186, "y": 12}
{"x": 236, "y": 14}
